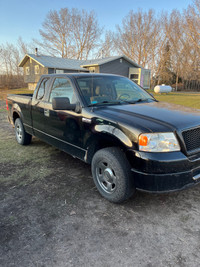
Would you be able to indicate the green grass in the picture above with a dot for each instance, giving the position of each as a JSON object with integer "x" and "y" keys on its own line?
{"x": 180, "y": 98}
{"x": 20, "y": 164}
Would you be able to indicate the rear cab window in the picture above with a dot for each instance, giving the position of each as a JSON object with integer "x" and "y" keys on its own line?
{"x": 42, "y": 89}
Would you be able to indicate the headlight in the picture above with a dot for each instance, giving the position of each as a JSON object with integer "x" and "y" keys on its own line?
{"x": 158, "y": 142}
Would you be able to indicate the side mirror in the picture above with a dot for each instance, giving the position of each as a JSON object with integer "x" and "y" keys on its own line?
{"x": 63, "y": 103}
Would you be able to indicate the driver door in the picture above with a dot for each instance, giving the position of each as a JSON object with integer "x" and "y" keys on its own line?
{"x": 64, "y": 127}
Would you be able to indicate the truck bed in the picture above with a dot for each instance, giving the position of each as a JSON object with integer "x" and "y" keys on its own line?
{"x": 21, "y": 103}
{"x": 20, "y": 98}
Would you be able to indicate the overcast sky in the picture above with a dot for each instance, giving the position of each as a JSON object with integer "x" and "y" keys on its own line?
{"x": 24, "y": 17}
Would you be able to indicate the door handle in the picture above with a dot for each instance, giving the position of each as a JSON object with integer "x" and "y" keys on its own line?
{"x": 46, "y": 112}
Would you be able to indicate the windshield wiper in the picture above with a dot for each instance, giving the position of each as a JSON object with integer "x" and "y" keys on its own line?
{"x": 138, "y": 100}
{"x": 105, "y": 103}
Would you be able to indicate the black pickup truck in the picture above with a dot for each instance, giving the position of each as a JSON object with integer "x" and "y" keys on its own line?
{"x": 131, "y": 140}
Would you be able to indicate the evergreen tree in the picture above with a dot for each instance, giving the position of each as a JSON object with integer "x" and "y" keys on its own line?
{"x": 166, "y": 76}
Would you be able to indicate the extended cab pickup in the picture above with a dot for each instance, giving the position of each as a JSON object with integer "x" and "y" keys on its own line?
{"x": 131, "y": 140}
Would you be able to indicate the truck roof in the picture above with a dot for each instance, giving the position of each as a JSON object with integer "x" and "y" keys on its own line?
{"x": 76, "y": 75}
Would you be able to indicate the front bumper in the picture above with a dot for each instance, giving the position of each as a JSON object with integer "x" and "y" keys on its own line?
{"x": 165, "y": 172}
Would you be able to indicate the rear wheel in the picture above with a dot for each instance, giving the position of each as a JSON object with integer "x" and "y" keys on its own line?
{"x": 112, "y": 175}
{"x": 22, "y": 137}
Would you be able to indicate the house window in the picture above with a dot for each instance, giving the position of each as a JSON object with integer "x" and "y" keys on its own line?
{"x": 37, "y": 70}
{"x": 92, "y": 69}
{"x": 135, "y": 78}
{"x": 146, "y": 79}
{"x": 27, "y": 70}
{"x": 59, "y": 71}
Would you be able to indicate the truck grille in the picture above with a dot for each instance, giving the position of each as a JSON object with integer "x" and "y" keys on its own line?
{"x": 192, "y": 139}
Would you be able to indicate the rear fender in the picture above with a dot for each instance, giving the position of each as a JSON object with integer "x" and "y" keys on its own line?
{"x": 16, "y": 112}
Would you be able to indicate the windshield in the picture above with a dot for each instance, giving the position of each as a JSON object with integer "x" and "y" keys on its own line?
{"x": 111, "y": 89}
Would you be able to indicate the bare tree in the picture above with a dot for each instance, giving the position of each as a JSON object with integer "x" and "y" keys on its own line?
{"x": 22, "y": 46}
{"x": 107, "y": 47}
{"x": 56, "y": 33}
{"x": 157, "y": 48}
{"x": 191, "y": 26}
{"x": 172, "y": 27}
{"x": 28, "y": 48}
{"x": 85, "y": 32}
{"x": 7, "y": 51}
{"x": 70, "y": 33}
{"x": 192, "y": 23}
{"x": 182, "y": 30}
{"x": 11, "y": 74}
{"x": 137, "y": 36}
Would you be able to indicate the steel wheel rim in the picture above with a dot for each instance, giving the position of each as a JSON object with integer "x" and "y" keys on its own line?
{"x": 106, "y": 177}
{"x": 19, "y": 132}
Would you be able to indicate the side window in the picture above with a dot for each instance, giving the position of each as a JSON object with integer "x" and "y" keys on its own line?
{"x": 63, "y": 88}
{"x": 42, "y": 88}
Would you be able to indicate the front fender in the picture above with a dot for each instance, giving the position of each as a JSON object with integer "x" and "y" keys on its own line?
{"x": 114, "y": 131}
{"x": 105, "y": 135}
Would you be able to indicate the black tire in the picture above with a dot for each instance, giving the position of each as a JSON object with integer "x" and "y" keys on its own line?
{"x": 22, "y": 137}
{"x": 111, "y": 173}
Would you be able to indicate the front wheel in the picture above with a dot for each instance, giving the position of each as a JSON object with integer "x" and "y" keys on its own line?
{"x": 22, "y": 137}
{"x": 112, "y": 175}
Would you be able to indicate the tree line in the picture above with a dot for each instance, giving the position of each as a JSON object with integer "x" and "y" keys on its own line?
{"x": 168, "y": 43}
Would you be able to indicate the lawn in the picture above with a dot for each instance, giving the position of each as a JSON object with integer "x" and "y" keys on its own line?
{"x": 181, "y": 98}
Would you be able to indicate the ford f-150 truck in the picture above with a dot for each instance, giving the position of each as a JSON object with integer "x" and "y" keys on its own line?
{"x": 131, "y": 140}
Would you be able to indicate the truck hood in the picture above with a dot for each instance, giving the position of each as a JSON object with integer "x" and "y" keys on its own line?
{"x": 154, "y": 116}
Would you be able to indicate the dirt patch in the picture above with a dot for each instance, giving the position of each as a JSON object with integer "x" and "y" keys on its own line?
{"x": 52, "y": 215}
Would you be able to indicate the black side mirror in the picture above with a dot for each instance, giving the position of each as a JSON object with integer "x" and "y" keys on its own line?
{"x": 63, "y": 103}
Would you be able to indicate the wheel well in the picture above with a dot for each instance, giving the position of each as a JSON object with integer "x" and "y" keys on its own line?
{"x": 103, "y": 142}
{"x": 15, "y": 116}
